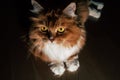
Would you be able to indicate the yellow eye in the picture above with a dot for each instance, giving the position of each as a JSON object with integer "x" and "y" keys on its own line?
{"x": 44, "y": 29}
{"x": 61, "y": 30}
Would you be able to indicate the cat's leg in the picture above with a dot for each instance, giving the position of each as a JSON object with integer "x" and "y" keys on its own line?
{"x": 73, "y": 64}
{"x": 57, "y": 68}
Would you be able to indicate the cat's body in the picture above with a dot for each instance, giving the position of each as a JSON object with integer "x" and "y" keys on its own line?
{"x": 57, "y": 37}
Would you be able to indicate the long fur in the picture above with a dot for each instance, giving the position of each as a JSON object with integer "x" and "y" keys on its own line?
{"x": 54, "y": 46}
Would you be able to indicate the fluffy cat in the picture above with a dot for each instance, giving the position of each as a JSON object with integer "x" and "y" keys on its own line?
{"x": 57, "y": 37}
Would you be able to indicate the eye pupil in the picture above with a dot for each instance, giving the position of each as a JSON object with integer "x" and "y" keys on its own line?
{"x": 61, "y": 29}
{"x": 44, "y": 28}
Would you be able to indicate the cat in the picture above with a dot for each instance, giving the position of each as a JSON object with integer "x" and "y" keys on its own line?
{"x": 57, "y": 36}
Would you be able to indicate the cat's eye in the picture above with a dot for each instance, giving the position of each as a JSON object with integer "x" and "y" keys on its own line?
{"x": 61, "y": 30}
{"x": 44, "y": 29}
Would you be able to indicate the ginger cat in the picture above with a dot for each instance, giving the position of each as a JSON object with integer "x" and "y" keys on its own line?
{"x": 57, "y": 37}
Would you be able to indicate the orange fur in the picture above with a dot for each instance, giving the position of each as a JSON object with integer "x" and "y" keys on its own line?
{"x": 58, "y": 36}
{"x": 69, "y": 38}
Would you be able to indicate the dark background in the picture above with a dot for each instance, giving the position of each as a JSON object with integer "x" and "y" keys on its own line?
{"x": 99, "y": 58}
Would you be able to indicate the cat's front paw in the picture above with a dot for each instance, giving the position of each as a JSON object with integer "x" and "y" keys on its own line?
{"x": 72, "y": 65}
{"x": 58, "y": 69}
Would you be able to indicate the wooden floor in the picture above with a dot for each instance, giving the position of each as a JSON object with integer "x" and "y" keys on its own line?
{"x": 97, "y": 62}
{"x": 99, "y": 59}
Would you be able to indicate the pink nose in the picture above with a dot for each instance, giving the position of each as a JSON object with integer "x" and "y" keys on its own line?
{"x": 51, "y": 39}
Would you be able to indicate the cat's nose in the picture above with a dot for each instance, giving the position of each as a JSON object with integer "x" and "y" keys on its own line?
{"x": 51, "y": 38}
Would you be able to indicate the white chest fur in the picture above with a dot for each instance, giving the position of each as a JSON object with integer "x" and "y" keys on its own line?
{"x": 58, "y": 52}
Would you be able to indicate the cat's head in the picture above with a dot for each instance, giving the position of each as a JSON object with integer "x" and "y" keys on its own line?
{"x": 56, "y": 25}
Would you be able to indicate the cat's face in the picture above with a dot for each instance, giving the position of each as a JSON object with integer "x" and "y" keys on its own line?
{"x": 55, "y": 28}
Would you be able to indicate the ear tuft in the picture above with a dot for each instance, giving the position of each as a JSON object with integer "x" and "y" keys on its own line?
{"x": 70, "y": 10}
{"x": 36, "y": 7}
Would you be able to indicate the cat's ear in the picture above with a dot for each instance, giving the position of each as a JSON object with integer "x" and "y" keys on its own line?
{"x": 36, "y": 7}
{"x": 70, "y": 10}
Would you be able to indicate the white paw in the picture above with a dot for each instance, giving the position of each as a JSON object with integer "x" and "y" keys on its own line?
{"x": 57, "y": 69}
{"x": 73, "y": 65}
